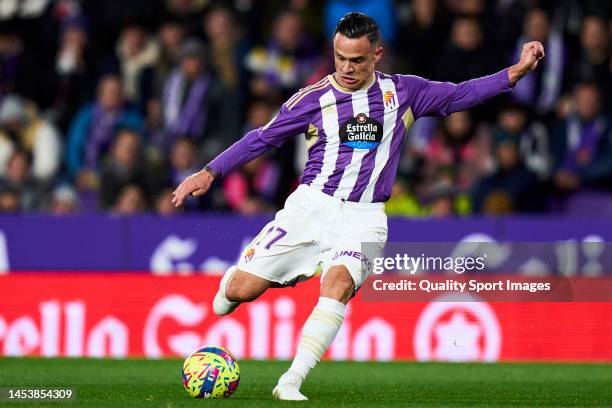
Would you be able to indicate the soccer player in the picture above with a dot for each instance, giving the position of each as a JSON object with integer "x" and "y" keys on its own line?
{"x": 360, "y": 118}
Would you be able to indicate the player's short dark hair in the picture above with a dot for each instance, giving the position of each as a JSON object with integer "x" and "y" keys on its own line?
{"x": 356, "y": 25}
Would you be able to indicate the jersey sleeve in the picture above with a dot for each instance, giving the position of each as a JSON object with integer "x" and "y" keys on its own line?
{"x": 287, "y": 123}
{"x": 432, "y": 98}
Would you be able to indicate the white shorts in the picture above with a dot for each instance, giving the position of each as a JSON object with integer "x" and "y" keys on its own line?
{"x": 316, "y": 230}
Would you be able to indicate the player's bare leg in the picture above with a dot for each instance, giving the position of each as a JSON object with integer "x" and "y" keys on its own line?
{"x": 319, "y": 331}
{"x": 237, "y": 287}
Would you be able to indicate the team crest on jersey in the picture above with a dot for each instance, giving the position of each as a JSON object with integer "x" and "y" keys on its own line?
{"x": 389, "y": 99}
{"x": 361, "y": 132}
{"x": 248, "y": 255}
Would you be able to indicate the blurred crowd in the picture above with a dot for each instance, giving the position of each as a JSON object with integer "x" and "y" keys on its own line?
{"x": 108, "y": 105}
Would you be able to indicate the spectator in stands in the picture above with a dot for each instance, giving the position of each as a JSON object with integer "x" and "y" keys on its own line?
{"x": 254, "y": 187}
{"x": 9, "y": 201}
{"x": 153, "y": 127}
{"x": 472, "y": 8}
{"x": 534, "y": 144}
{"x": 423, "y": 36}
{"x": 64, "y": 200}
{"x": 73, "y": 77}
{"x": 251, "y": 189}
{"x": 11, "y": 55}
{"x": 444, "y": 197}
{"x": 130, "y": 201}
{"x": 21, "y": 128}
{"x": 188, "y": 13}
{"x": 135, "y": 52}
{"x": 512, "y": 187}
{"x": 443, "y": 203}
{"x": 124, "y": 166}
{"x": 458, "y": 151}
{"x": 227, "y": 47}
{"x": 163, "y": 202}
{"x": 229, "y": 86}
{"x": 412, "y": 160}
{"x": 93, "y": 130}
{"x": 465, "y": 56}
{"x": 171, "y": 36}
{"x": 18, "y": 180}
{"x": 506, "y": 25}
{"x": 184, "y": 102}
{"x": 541, "y": 88}
{"x": 583, "y": 144}
{"x": 284, "y": 62}
{"x": 183, "y": 160}
{"x": 593, "y": 63}
{"x": 402, "y": 201}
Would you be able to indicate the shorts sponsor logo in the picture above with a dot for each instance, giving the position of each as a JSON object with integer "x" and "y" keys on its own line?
{"x": 354, "y": 254}
{"x": 361, "y": 132}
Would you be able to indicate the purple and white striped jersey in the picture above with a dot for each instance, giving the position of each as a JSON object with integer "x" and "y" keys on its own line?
{"x": 358, "y": 134}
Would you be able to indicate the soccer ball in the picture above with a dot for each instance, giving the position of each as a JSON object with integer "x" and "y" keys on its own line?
{"x": 211, "y": 372}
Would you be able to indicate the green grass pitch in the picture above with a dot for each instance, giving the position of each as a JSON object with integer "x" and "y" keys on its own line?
{"x": 135, "y": 383}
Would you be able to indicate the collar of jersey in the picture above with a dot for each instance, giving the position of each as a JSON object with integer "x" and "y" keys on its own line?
{"x": 335, "y": 84}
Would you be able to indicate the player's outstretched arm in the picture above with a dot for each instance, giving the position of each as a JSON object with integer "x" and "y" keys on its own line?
{"x": 288, "y": 122}
{"x": 531, "y": 54}
{"x": 442, "y": 98}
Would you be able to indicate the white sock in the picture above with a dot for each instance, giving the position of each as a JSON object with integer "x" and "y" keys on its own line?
{"x": 221, "y": 304}
{"x": 318, "y": 333}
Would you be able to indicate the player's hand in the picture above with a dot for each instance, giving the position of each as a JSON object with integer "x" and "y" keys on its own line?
{"x": 197, "y": 184}
{"x": 531, "y": 54}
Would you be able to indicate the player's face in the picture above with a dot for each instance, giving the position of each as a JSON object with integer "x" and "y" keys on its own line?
{"x": 355, "y": 60}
